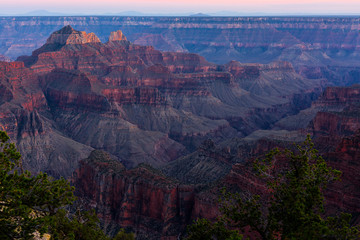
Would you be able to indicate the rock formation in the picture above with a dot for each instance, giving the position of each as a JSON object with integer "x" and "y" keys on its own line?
{"x": 157, "y": 207}
{"x": 141, "y": 199}
{"x": 26, "y": 117}
{"x": 110, "y": 95}
{"x": 332, "y": 54}
{"x": 67, "y": 35}
{"x": 117, "y": 36}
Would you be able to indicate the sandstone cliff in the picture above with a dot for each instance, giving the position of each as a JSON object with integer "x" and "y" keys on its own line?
{"x": 117, "y": 36}
{"x": 26, "y": 117}
{"x": 142, "y": 199}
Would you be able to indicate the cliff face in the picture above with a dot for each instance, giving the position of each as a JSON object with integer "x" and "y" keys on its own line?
{"x": 337, "y": 116}
{"x": 26, "y": 118}
{"x": 75, "y": 94}
{"x": 156, "y": 207}
{"x": 345, "y": 195}
{"x": 138, "y": 103}
{"x": 141, "y": 199}
{"x": 233, "y": 33}
{"x": 339, "y": 96}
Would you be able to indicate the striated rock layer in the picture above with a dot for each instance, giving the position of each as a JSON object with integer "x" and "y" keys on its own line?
{"x": 153, "y": 206}
{"x": 143, "y": 105}
{"x": 318, "y": 47}
{"x": 26, "y": 118}
{"x": 141, "y": 199}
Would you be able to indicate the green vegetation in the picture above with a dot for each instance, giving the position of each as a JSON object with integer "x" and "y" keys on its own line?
{"x": 293, "y": 209}
{"x": 35, "y": 205}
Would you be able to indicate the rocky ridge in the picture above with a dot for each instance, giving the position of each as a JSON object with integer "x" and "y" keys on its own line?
{"x": 318, "y": 47}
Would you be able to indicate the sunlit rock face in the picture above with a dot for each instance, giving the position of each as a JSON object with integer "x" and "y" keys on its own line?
{"x": 67, "y": 35}
{"x": 117, "y": 36}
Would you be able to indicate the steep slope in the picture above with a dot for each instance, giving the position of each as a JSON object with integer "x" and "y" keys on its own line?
{"x": 157, "y": 207}
{"x": 333, "y": 117}
{"x": 142, "y": 199}
{"x": 25, "y": 116}
{"x": 345, "y": 195}
{"x": 141, "y": 104}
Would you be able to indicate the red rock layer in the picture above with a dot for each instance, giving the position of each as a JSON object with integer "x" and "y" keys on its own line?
{"x": 117, "y": 36}
{"x": 345, "y": 195}
{"x": 68, "y": 35}
{"x": 339, "y": 116}
{"x": 140, "y": 199}
{"x": 339, "y": 96}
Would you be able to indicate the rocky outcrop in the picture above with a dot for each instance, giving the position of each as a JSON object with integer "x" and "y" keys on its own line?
{"x": 117, "y": 36}
{"x": 76, "y": 94}
{"x": 337, "y": 114}
{"x": 67, "y": 35}
{"x": 339, "y": 96}
{"x": 143, "y": 105}
{"x": 142, "y": 199}
{"x": 157, "y": 207}
{"x": 26, "y": 118}
{"x": 345, "y": 195}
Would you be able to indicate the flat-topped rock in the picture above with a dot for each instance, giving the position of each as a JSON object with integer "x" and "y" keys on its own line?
{"x": 117, "y": 36}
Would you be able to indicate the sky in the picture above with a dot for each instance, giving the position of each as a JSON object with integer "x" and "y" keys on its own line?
{"x": 183, "y": 6}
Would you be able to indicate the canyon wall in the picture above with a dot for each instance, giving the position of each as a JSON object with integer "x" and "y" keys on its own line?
{"x": 173, "y": 111}
{"x": 138, "y": 103}
{"x": 318, "y": 47}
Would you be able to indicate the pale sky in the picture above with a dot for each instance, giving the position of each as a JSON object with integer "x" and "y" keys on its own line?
{"x": 183, "y": 6}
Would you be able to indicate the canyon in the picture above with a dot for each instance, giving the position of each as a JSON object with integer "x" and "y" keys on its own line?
{"x": 188, "y": 188}
{"x": 149, "y": 135}
{"x": 227, "y": 164}
{"x": 318, "y": 47}
{"x": 135, "y": 102}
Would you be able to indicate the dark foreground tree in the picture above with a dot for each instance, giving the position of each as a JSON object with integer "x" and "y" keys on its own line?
{"x": 293, "y": 207}
{"x": 34, "y": 205}
{"x": 27, "y": 202}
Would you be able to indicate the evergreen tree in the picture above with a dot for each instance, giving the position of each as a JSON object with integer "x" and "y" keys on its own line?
{"x": 27, "y": 202}
{"x": 34, "y": 205}
{"x": 295, "y": 206}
